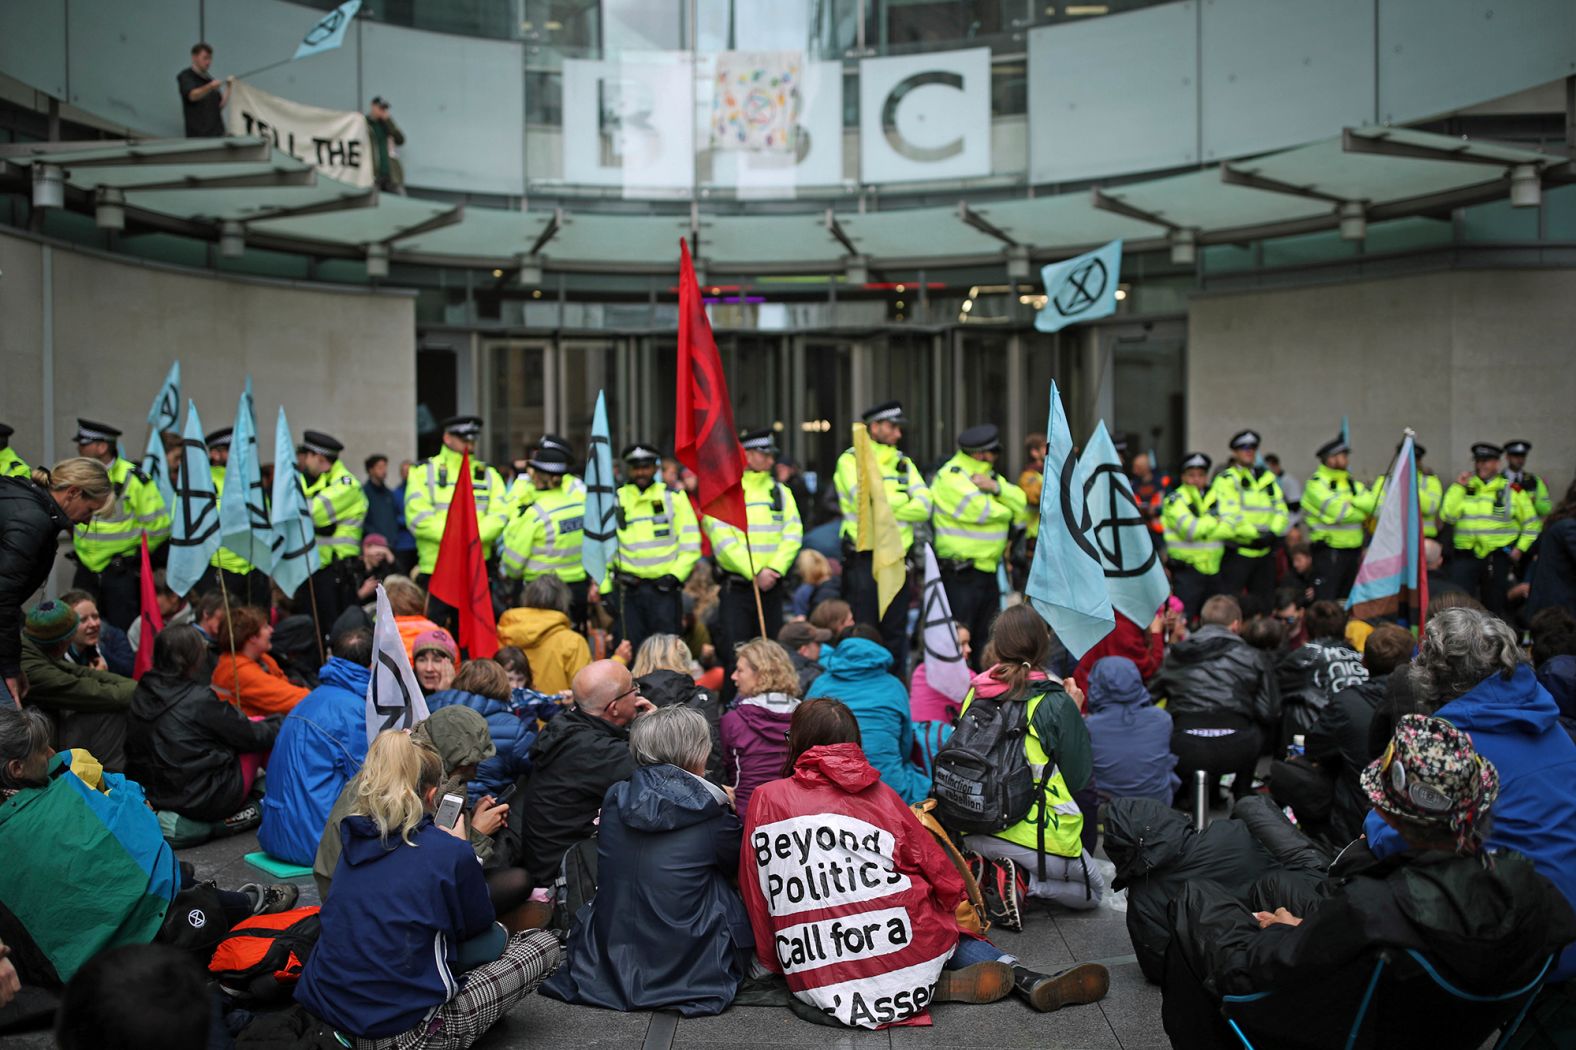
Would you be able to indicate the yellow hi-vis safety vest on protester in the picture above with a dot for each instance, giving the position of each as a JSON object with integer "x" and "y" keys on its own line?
{"x": 1243, "y": 497}
{"x": 1490, "y": 515}
{"x": 969, "y": 523}
{"x": 545, "y": 538}
{"x": 138, "y": 508}
{"x": 428, "y": 489}
{"x": 776, "y": 533}
{"x": 1057, "y": 807}
{"x": 339, "y": 509}
{"x": 657, "y": 533}
{"x": 905, "y": 491}
{"x": 1194, "y": 536}
{"x": 1334, "y": 507}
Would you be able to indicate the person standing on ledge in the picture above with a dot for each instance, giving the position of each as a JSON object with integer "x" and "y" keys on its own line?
{"x": 203, "y": 96}
{"x": 388, "y": 173}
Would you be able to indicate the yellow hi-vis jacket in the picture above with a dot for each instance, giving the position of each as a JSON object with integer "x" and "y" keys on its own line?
{"x": 776, "y": 533}
{"x": 969, "y": 523}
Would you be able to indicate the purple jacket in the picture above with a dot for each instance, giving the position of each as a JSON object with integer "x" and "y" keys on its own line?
{"x": 755, "y": 744}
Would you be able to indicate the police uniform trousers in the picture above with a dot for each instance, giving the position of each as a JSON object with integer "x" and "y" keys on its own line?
{"x": 859, "y": 590}
{"x": 975, "y": 598}
{"x": 1334, "y": 571}
{"x": 1256, "y": 576}
{"x": 648, "y": 607}
{"x": 326, "y": 593}
{"x": 737, "y": 622}
{"x": 1487, "y": 579}
{"x": 118, "y": 589}
{"x": 251, "y": 588}
{"x": 1193, "y": 588}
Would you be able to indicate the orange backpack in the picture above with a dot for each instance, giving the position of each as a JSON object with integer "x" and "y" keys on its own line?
{"x": 261, "y": 958}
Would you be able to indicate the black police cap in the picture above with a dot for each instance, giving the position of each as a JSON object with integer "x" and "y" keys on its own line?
{"x": 982, "y": 438}
{"x": 6, "y": 430}
{"x": 1333, "y": 447}
{"x": 325, "y": 444}
{"x": 1196, "y": 459}
{"x": 1245, "y": 439}
{"x": 1517, "y": 447}
{"x": 463, "y": 426}
{"x": 549, "y": 461}
{"x": 219, "y": 438}
{"x": 1486, "y": 450}
{"x": 88, "y": 430}
{"x": 885, "y": 412}
{"x": 761, "y": 440}
{"x": 639, "y": 453}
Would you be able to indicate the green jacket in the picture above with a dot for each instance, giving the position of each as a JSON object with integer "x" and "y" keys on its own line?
{"x": 63, "y": 685}
{"x": 98, "y": 872}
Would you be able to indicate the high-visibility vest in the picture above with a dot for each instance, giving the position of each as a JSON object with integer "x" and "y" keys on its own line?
{"x": 969, "y": 523}
{"x": 1529, "y": 483}
{"x": 657, "y": 532}
{"x": 1057, "y": 807}
{"x": 224, "y": 558}
{"x": 1490, "y": 515}
{"x": 1334, "y": 507}
{"x": 138, "y": 508}
{"x": 522, "y": 491}
{"x": 13, "y": 465}
{"x": 1430, "y": 498}
{"x": 545, "y": 538}
{"x": 428, "y": 489}
{"x": 776, "y": 533}
{"x": 339, "y": 509}
{"x": 1032, "y": 482}
{"x": 1243, "y": 497}
{"x": 905, "y": 491}
{"x": 1194, "y": 535}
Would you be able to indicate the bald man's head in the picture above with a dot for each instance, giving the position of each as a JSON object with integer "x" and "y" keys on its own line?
{"x": 605, "y": 689}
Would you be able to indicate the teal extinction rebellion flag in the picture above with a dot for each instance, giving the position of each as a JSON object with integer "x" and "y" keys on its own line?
{"x": 601, "y": 520}
{"x": 243, "y": 506}
{"x": 1080, "y": 289}
{"x": 1118, "y": 534}
{"x": 295, "y": 540}
{"x": 1066, "y": 579}
{"x": 164, "y": 414}
{"x": 194, "y": 516}
{"x": 329, "y": 31}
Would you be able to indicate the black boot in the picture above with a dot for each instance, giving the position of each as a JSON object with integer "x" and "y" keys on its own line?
{"x": 1084, "y": 983}
{"x": 983, "y": 982}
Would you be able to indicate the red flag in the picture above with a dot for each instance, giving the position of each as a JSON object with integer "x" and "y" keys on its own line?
{"x": 705, "y": 439}
{"x": 460, "y": 577}
{"x": 152, "y": 621}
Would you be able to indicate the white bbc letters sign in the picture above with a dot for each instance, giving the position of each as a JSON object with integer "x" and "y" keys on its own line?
{"x": 924, "y": 116}
{"x": 630, "y": 123}
{"x": 817, "y": 157}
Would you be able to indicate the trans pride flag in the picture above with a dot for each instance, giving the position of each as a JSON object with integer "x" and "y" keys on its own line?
{"x": 1393, "y": 578}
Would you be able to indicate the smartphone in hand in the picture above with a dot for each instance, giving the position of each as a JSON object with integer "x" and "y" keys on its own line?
{"x": 449, "y": 810}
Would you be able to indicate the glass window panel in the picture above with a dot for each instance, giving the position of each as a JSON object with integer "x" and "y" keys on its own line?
{"x": 516, "y": 399}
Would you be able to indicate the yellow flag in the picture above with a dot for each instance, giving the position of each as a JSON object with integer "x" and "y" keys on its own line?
{"x": 877, "y": 529}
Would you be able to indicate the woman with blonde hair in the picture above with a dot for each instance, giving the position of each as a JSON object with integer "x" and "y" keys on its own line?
{"x": 755, "y": 732}
{"x": 816, "y": 582}
{"x": 34, "y": 511}
{"x": 663, "y": 669}
{"x": 410, "y": 914}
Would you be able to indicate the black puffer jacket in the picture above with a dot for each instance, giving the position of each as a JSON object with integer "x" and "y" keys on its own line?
{"x": 1308, "y": 677}
{"x": 30, "y": 525}
{"x": 1157, "y": 853}
{"x": 1340, "y": 742}
{"x": 669, "y": 689}
{"x": 573, "y": 763}
{"x": 1213, "y": 672}
{"x": 182, "y": 742}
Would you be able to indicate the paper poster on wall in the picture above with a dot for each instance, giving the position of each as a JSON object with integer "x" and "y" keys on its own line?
{"x": 333, "y": 141}
{"x": 925, "y": 116}
{"x": 630, "y": 123}
{"x": 755, "y": 101}
{"x": 817, "y": 155}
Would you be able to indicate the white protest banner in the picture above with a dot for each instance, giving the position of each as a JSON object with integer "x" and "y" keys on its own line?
{"x": 333, "y": 141}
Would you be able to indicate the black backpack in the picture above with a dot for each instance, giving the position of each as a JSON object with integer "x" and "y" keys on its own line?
{"x": 983, "y": 782}
{"x": 575, "y": 885}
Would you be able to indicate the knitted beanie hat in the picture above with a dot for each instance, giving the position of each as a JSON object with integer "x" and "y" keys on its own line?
{"x": 50, "y": 623}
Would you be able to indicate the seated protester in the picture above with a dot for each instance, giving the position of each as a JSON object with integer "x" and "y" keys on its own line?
{"x": 87, "y": 707}
{"x": 1553, "y": 631}
{"x": 1340, "y": 741}
{"x": 804, "y": 640}
{"x": 1488, "y": 921}
{"x": 409, "y": 604}
{"x": 833, "y": 616}
{"x": 245, "y": 673}
{"x": 1130, "y": 738}
{"x": 522, "y": 686}
{"x": 483, "y": 686}
{"x": 662, "y": 667}
{"x": 1309, "y": 675}
{"x": 934, "y": 712}
{"x": 97, "y": 643}
{"x": 320, "y": 746}
{"x": 541, "y": 629}
{"x": 67, "y": 816}
{"x": 410, "y": 947}
{"x": 1220, "y": 693}
{"x": 208, "y": 618}
{"x": 295, "y": 647}
{"x": 1471, "y": 672}
{"x": 436, "y": 660}
{"x": 666, "y": 930}
{"x": 1146, "y": 648}
{"x": 1290, "y": 605}
{"x": 173, "y": 608}
{"x": 580, "y": 754}
{"x": 151, "y": 997}
{"x": 755, "y": 732}
{"x": 1266, "y": 634}
{"x": 816, "y": 583}
{"x": 1047, "y": 844}
{"x": 859, "y": 673}
{"x": 193, "y": 754}
{"x": 834, "y": 812}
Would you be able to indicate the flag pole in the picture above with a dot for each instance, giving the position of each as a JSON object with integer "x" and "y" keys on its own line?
{"x": 317, "y": 627}
{"x": 755, "y": 585}
{"x": 229, "y": 629}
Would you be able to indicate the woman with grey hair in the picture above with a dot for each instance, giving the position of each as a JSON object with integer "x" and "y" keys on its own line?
{"x": 1471, "y": 672}
{"x": 667, "y": 930}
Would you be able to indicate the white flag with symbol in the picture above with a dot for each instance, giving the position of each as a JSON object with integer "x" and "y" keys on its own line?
{"x": 394, "y": 697}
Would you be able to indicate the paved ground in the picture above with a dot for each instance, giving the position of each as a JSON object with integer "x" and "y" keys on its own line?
{"x": 1128, "y": 1018}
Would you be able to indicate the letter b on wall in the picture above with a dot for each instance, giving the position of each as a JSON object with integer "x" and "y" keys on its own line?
{"x": 925, "y": 116}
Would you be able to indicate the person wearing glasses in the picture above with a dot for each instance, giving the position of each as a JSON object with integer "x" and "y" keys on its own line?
{"x": 580, "y": 754}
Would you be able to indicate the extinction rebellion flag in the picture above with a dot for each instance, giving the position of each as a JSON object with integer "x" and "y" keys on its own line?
{"x": 1080, "y": 289}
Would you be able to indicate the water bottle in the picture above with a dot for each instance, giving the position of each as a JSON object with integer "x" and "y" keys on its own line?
{"x": 1298, "y": 747}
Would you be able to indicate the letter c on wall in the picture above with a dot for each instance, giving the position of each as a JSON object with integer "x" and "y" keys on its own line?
{"x": 894, "y": 99}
